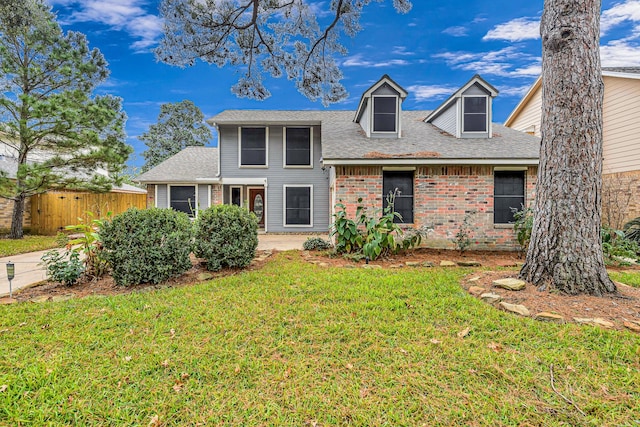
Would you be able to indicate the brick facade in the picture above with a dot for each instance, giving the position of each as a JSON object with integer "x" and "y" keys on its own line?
{"x": 620, "y": 198}
{"x": 443, "y": 196}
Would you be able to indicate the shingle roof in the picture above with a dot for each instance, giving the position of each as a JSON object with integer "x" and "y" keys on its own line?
{"x": 189, "y": 165}
{"x": 344, "y": 140}
{"x": 628, "y": 70}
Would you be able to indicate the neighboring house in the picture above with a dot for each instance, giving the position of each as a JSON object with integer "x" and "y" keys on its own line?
{"x": 621, "y": 143}
{"x": 187, "y": 182}
{"x": 45, "y": 217}
{"x": 292, "y": 167}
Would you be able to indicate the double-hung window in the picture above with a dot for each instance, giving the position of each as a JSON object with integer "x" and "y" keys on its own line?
{"x": 508, "y": 194}
{"x": 385, "y": 111}
{"x": 298, "y": 147}
{"x": 298, "y": 205}
{"x": 474, "y": 114}
{"x": 399, "y": 186}
{"x": 253, "y": 146}
{"x": 182, "y": 198}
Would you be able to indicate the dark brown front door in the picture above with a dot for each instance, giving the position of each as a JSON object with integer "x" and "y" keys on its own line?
{"x": 256, "y": 204}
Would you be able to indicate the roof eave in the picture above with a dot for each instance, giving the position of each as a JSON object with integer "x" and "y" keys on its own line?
{"x": 527, "y": 161}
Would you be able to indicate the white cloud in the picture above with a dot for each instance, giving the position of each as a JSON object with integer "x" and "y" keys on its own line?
{"x": 402, "y": 51}
{"x": 358, "y": 61}
{"x": 515, "y": 30}
{"x": 628, "y": 10}
{"x": 506, "y": 62}
{"x": 514, "y": 91}
{"x": 620, "y": 53}
{"x": 120, "y": 15}
{"x": 457, "y": 31}
{"x": 430, "y": 92}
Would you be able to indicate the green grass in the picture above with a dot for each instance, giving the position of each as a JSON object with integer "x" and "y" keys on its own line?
{"x": 294, "y": 344}
{"x": 10, "y": 247}
{"x": 631, "y": 278}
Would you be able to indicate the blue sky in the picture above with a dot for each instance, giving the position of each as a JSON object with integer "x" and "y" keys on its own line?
{"x": 431, "y": 52}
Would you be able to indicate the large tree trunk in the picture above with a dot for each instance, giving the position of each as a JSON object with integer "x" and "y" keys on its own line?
{"x": 17, "y": 218}
{"x": 566, "y": 248}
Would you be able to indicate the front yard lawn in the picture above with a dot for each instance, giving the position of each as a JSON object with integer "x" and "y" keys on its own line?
{"x": 9, "y": 247}
{"x": 301, "y": 345}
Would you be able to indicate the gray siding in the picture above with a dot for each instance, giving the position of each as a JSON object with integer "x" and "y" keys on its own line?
{"x": 277, "y": 176}
{"x": 448, "y": 120}
{"x": 162, "y": 198}
{"x": 203, "y": 196}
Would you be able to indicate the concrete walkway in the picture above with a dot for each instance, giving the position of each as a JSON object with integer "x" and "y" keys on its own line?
{"x": 29, "y": 269}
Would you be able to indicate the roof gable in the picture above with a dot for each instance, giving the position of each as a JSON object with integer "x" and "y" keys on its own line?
{"x": 385, "y": 84}
{"x": 475, "y": 80}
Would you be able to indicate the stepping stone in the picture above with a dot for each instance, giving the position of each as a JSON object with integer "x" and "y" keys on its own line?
{"x": 40, "y": 299}
{"x": 632, "y": 326}
{"x": 515, "y": 308}
{"x": 348, "y": 266}
{"x": 490, "y": 298}
{"x": 413, "y": 263}
{"x": 510, "y": 284}
{"x": 474, "y": 279}
{"x": 545, "y": 316}
{"x": 372, "y": 267}
{"x": 396, "y": 266}
{"x": 60, "y": 298}
{"x": 469, "y": 263}
{"x": 447, "y": 264}
{"x": 323, "y": 264}
{"x": 594, "y": 321}
{"x": 427, "y": 264}
{"x": 7, "y": 301}
{"x": 205, "y": 276}
{"x": 476, "y": 290}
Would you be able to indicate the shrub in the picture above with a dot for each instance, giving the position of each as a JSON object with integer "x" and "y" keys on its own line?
{"x": 147, "y": 246}
{"x": 316, "y": 244}
{"x": 63, "y": 267}
{"x": 374, "y": 234}
{"x": 523, "y": 226}
{"x": 632, "y": 230}
{"x": 226, "y": 236}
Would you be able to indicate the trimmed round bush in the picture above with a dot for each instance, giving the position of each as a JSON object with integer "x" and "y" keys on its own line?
{"x": 226, "y": 236}
{"x": 147, "y": 246}
{"x": 316, "y": 244}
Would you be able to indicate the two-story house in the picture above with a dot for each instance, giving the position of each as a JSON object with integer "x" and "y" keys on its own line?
{"x": 621, "y": 144}
{"x": 291, "y": 168}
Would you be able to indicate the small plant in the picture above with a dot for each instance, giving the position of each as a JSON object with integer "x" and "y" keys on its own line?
{"x": 226, "y": 236}
{"x": 316, "y": 244}
{"x": 617, "y": 248}
{"x": 463, "y": 236}
{"x": 61, "y": 239}
{"x": 63, "y": 267}
{"x": 523, "y": 225}
{"x": 347, "y": 236}
{"x": 90, "y": 244}
{"x": 412, "y": 237}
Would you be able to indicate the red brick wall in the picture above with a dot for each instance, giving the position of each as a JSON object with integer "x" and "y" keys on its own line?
{"x": 443, "y": 196}
{"x": 216, "y": 194}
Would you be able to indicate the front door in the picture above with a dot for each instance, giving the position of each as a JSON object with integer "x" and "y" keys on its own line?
{"x": 256, "y": 204}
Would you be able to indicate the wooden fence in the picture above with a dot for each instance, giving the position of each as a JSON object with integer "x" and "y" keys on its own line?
{"x": 52, "y": 211}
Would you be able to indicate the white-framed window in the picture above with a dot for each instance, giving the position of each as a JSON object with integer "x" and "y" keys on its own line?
{"x": 253, "y": 147}
{"x": 385, "y": 113}
{"x": 298, "y": 147}
{"x": 508, "y": 194}
{"x": 182, "y": 198}
{"x": 475, "y": 117}
{"x": 235, "y": 195}
{"x": 298, "y": 205}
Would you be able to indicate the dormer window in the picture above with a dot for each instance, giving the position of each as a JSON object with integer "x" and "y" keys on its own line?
{"x": 474, "y": 112}
{"x": 385, "y": 113}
